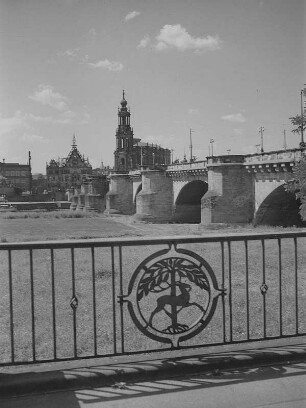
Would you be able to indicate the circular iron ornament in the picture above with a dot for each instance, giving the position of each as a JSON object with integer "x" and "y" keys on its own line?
{"x": 172, "y": 295}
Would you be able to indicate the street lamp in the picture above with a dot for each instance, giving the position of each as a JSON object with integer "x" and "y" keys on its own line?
{"x": 302, "y": 143}
{"x": 261, "y": 130}
{"x": 212, "y": 146}
{"x": 190, "y": 146}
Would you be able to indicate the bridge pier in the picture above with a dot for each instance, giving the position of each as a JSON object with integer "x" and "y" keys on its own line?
{"x": 94, "y": 202}
{"x": 229, "y": 198}
{"x": 119, "y": 199}
{"x": 74, "y": 202}
{"x": 155, "y": 200}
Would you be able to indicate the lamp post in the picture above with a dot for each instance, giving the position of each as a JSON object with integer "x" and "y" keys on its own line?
{"x": 212, "y": 146}
{"x": 285, "y": 141}
{"x": 190, "y": 145}
{"x": 302, "y": 143}
{"x": 141, "y": 159}
{"x": 30, "y": 176}
{"x": 261, "y": 130}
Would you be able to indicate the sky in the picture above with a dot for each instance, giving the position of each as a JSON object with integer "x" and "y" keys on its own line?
{"x": 222, "y": 68}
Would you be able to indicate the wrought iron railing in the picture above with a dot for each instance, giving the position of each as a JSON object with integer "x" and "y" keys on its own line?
{"x": 64, "y": 300}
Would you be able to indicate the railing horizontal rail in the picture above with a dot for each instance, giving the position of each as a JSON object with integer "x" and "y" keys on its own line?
{"x": 108, "y": 242}
{"x": 72, "y": 299}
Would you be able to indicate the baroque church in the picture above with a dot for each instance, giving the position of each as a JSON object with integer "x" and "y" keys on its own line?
{"x": 131, "y": 153}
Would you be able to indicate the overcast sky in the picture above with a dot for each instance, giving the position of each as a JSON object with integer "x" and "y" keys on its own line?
{"x": 221, "y": 67}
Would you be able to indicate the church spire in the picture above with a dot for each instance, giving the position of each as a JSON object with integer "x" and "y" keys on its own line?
{"x": 74, "y": 145}
{"x": 123, "y": 112}
{"x": 123, "y": 102}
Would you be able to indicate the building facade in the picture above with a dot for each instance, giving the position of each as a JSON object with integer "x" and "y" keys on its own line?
{"x": 68, "y": 172}
{"x": 131, "y": 153}
{"x": 16, "y": 175}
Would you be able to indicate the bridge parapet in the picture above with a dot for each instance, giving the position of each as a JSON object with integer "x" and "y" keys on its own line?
{"x": 225, "y": 160}
{"x": 190, "y": 167}
{"x": 273, "y": 162}
{"x": 279, "y": 156}
{"x": 135, "y": 174}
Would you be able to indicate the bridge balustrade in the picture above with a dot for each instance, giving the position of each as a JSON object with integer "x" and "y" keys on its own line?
{"x": 67, "y": 300}
{"x": 290, "y": 155}
{"x": 187, "y": 166}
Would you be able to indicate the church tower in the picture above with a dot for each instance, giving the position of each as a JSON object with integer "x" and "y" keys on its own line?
{"x": 124, "y": 153}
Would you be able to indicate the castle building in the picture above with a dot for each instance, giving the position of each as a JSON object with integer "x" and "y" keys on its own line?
{"x": 131, "y": 153}
{"x": 68, "y": 172}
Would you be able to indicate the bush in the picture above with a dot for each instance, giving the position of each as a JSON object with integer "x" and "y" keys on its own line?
{"x": 298, "y": 185}
{"x": 48, "y": 214}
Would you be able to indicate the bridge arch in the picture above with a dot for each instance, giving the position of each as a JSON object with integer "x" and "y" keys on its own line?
{"x": 137, "y": 187}
{"x": 187, "y": 206}
{"x": 279, "y": 208}
{"x": 137, "y": 191}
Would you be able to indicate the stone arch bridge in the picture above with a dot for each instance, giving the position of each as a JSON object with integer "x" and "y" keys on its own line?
{"x": 221, "y": 189}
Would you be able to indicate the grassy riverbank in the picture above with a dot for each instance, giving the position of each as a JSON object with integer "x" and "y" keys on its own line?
{"x": 43, "y": 225}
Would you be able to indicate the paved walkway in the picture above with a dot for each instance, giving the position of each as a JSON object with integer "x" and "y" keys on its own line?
{"x": 33, "y": 383}
{"x": 273, "y": 386}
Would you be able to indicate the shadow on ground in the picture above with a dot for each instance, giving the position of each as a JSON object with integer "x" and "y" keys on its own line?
{"x": 101, "y": 384}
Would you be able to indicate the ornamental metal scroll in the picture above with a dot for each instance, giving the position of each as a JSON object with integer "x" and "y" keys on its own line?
{"x": 172, "y": 295}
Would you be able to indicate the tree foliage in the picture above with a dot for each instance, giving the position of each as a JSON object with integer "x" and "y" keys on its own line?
{"x": 297, "y": 122}
{"x": 298, "y": 185}
{"x": 158, "y": 277}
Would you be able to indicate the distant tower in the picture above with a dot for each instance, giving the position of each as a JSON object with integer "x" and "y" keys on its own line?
{"x": 124, "y": 156}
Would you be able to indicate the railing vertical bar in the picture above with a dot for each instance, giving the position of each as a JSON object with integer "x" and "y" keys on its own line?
{"x": 280, "y": 286}
{"x": 114, "y": 302}
{"x": 121, "y": 303}
{"x": 94, "y": 303}
{"x": 263, "y": 248}
{"x": 11, "y": 306}
{"x": 53, "y": 304}
{"x": 230, "y": 289}
{"x": 296, "y": 287}
{"x": 247, "y": 287}
{"x": 32, "y": 305}
{"x": 74, "y": 308}
{"x": 223, "y": 288}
